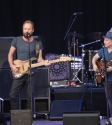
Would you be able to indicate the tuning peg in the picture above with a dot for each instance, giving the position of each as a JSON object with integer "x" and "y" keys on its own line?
{"x": 70, "y": 55}
{"x": 62, "y": 54}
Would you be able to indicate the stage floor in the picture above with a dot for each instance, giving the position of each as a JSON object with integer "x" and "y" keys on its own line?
{"x": 47, "y": 122}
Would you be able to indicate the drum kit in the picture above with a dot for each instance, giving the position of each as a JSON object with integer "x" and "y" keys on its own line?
{"x": 81, "y": 72}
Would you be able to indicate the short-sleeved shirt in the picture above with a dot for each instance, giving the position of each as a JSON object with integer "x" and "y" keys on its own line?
{"x": 23, "y": 48}
{"x": 108, "y": 57}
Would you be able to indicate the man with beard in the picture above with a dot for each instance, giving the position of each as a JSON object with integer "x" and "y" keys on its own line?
{"x": 21, "y": 45}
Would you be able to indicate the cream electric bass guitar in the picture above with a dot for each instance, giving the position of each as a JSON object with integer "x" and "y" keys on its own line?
{"x": 23, "y": 66}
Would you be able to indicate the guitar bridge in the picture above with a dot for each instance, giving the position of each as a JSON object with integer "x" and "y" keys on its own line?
{"x": 98, "y": 74}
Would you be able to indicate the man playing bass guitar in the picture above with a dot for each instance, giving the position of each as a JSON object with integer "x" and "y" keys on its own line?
{"x": 106, "y": 54}
{"x": 21, "y": 44}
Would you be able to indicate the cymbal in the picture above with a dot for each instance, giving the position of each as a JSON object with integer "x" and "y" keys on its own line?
{"x": 96, "y": 35}
{"x": 76, "y": 35}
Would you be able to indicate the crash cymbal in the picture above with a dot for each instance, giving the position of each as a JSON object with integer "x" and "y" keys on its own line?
{"x": 96, "y": 35}
{"x": 76, "y": 35}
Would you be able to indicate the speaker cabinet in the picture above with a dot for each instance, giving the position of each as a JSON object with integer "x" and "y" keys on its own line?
{"x": 81, "y": 118}
{"x": 5, "y": 43}
{"x": 41, "y": 91}
{"x": 21, "y": 117}
{"x": 42, "y": 105}
{"x": 40, "y": 84}
{"x": 5, "y": 83}
{"x": 58, "y": 107}
{"x": 59, "y": 70}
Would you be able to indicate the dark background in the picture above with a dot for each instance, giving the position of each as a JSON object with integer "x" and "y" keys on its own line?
{"x": 51, "y": 19}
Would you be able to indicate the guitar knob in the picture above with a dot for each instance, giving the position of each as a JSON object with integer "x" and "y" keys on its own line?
{"x": 62, "y": 54}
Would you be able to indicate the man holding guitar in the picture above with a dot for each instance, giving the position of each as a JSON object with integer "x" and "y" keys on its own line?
{"x": 106, "y": 54}
{"x": 21, "y": 45}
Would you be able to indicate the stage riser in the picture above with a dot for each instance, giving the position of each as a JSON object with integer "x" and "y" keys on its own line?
{"x": 95, "y": 99}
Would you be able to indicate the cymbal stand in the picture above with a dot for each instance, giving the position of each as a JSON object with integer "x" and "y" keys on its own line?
{"x": 75, "y": 74}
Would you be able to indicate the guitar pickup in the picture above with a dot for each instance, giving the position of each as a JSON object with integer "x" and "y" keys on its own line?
{"x": 22, "y": 67}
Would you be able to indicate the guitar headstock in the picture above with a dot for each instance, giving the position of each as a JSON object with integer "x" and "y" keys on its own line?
{"x": 65, "y": 58}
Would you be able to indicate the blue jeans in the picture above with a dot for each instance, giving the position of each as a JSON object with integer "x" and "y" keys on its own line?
{"x": 108, "y": 92}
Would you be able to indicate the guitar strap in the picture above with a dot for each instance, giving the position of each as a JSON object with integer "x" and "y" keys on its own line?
{"x": 37, "y": 47}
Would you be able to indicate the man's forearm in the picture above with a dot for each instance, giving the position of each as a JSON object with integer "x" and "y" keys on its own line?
{"x": 94, "y": 59}
{"x": 10, "y": 60}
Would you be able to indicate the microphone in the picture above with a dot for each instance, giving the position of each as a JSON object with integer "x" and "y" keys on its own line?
{"x": 98, "y": 40}
{"x": 77, "y": 13}
{"x": 27, "y": 35}
{"x": 102, "y": 44}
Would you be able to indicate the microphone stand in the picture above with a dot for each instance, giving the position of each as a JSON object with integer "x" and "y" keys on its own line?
{"x": 29, "y": 75}
{"x": 69, "y": 28}
{"x": 105, "y": 69}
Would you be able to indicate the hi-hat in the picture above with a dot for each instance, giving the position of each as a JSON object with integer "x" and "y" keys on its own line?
{"x": 76, "y": 35}
{"x": 96, "y": 35}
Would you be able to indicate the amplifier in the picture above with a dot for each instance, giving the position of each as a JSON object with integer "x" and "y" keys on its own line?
{"x": 59, "y": 83}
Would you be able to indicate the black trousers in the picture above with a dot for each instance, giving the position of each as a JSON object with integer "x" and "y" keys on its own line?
{"x": 108, "y": 91}
{"x": 17, "y": 85}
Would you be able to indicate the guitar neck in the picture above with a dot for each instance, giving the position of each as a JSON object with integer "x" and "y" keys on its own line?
{"x": 43, "y": 63}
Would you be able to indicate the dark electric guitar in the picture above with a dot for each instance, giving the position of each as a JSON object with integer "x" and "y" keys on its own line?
{"x": 100, "y": 76}
{"x": 23, "y": 66}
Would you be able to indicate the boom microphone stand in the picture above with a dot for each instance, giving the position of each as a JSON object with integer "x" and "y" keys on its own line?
{"x": 67, "y": 33}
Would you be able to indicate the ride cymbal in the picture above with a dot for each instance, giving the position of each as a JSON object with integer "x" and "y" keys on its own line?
{"x": 96, "y": 35}
{"x": 76, "y": 35}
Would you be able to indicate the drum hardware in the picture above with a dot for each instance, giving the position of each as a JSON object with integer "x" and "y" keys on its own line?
{"x": 76, "y": 69}
{"x": 73, "y": 34}
{"x": 83, "y": 55}
{"x": 76, "y": 59}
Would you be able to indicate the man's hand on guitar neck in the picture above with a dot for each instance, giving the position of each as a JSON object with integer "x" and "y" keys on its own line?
{"x": 46, "y": 62}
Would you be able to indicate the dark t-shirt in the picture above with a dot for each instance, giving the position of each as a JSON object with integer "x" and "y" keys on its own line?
{"x": 108, "y": 57}
{"x": 23, "y": 48}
